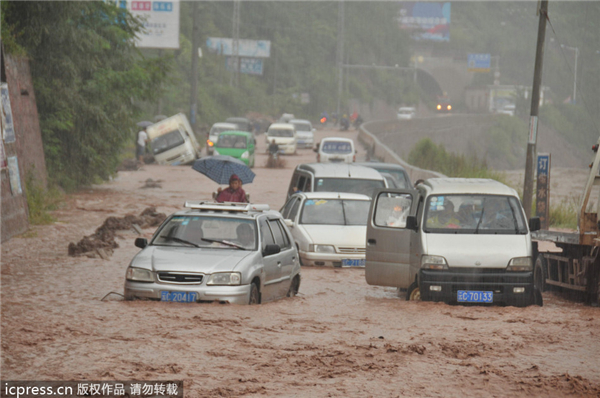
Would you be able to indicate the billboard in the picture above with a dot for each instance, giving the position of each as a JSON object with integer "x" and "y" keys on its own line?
{"x": 247, "y": 48}
{"x": 250, "y": 66}
{"x": 425, "y": 20}
{"x": 161, "y": 22}
{"x": 478, "y": 62}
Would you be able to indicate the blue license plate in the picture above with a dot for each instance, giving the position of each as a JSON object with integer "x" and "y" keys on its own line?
{"x": 470, "y": 296}
{"x": 353, "y": 262}
{"x": 178, "y": 297}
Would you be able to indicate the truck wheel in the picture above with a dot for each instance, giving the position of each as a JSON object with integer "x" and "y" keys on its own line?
{"x": 413, "y": 293}
{"x": 540, "y": 273}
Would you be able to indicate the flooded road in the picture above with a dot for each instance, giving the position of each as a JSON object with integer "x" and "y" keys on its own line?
{"x": 338, "y": 337}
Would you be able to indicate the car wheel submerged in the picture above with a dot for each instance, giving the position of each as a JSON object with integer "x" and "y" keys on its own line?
{"x": 413, "y": 293}
{"x": 294, "y": 287}
{"x": 254, "y": 295}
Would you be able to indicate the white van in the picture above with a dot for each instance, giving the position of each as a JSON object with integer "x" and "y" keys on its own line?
{"x": 335, "y": 177}
{"x": 336, "y": 150}
{"x": 172, "y": 141}
{"x": 462, "y": 240}
{"x": 284, "y": 135}
{"x": 213, "y": 134}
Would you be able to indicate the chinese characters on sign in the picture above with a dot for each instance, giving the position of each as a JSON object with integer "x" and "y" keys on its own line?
{"x": 161, "y": 22}
{"x": 542, "y": 200}
{"x": 478, "y": 62}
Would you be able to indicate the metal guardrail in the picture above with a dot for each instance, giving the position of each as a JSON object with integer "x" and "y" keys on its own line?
{"x": 377, "y": 150}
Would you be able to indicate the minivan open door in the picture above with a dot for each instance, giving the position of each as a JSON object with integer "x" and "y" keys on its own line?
{"x": 389, "y": 237}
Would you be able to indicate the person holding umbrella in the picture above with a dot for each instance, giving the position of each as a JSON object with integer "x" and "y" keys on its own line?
{"x": 234, "y": 193}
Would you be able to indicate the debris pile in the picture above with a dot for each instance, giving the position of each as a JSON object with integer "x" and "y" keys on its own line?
{"x": 102, "y": 242}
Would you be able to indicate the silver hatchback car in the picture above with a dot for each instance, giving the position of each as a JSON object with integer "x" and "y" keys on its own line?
{"x": 226, "y": 252}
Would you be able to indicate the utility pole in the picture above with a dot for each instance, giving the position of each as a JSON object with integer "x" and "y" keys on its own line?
{"x": 235, "y": 58}
{"x": 194, "y": 82}
{"x": 340, "y": 55}
{"x": 535, "y": 105}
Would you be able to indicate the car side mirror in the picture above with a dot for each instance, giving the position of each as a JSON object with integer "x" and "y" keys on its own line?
{"x": 411, "y": 223}
{"x": 141, "y": 242}
{"x": 535, "y": 224}
{"x": 288, "y": 222}
{"x": 271, "y": 249}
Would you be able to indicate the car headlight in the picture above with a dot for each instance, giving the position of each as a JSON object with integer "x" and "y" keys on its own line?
{"x": 321, "y": 248}
{"x": 245, "y": 155}
{"x": 520, "y": 264}
{"x": 433, "y": 262}
{"x": 225, "y": 278}
{"x": 139, "y": 275}
{"x": 210, "y": 143}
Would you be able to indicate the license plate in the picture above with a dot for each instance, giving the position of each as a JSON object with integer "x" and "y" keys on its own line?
{"x": 469, "y": 296}
{"x": 353, "y": 262}
{"x": 178, "y": 297}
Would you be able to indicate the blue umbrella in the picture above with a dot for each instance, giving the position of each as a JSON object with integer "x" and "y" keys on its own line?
{"x": 220, "y": 167}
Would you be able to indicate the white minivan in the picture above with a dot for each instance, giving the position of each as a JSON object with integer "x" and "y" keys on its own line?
{"x": 213, "y": 134}
{"x": 172, "y": 141}
{"x": 336, "y": 150}
{"x": 284, "y": 135}
{"x": 463, "y": 240}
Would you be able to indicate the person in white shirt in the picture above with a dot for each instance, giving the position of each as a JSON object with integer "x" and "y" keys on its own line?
{"x": 141, "y": 145}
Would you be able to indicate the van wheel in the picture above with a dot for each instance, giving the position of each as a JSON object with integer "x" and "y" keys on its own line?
{"x": 413, "y": 293}
{"x": 539, "y": 273}
{"x": 254, "y": 295}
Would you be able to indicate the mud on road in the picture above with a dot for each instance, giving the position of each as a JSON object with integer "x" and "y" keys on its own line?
{"x": 339, "y": 337}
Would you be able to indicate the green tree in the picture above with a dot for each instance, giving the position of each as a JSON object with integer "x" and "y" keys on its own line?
{"x": 87, "y": 75}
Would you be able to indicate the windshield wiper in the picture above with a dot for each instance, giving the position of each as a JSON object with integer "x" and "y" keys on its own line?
{"x": 225, "y": 242}
{"x": 176, "y": 239}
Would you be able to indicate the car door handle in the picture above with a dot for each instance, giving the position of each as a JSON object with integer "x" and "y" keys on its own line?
{"x": 279, "y": 264}
{"x": 371, "y": 242}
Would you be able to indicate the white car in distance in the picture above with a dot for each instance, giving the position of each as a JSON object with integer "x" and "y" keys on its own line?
{"x": 305, "y": 132}
{"x": 406, "y": 112}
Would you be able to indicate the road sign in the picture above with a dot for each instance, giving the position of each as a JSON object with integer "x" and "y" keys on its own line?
{"x": 250, "y": 66}
{"x": 479, "y": 62}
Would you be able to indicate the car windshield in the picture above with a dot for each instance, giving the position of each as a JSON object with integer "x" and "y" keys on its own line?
{"x": 398, "y": 175}
{"x": 302, "y": 127}
{"x": 219, "y": 130}
{"x": 281, "y": 133}
{"x": 474, "y": 214}
{"x": 206, "y": 231}
{"x": 350, "y": 185}
{"x": 335, "y": 212}
{"x": 337, "y": 147}
{"x": 232, "y": 141}
{"x": 167, "y": 141}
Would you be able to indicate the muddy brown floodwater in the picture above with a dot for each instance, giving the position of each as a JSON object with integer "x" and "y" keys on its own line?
{"x": 339, "y": 337}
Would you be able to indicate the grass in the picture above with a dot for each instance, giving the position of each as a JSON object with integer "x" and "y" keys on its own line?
{"x": 429, "y": 156}
{"x": 41, "y": 201}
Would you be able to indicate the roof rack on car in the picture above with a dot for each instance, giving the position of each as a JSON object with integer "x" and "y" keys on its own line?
{"x": 227, "y": 206}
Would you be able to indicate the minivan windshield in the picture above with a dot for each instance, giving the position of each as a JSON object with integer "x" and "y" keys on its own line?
{"x": 337, "y": 147}
{"x": 350, "y": 185}
{"x": 302, "y": 126}
{"x": 335, "y": 212}
{"x": 218, "y": 130}
{"x": 474, "y": 214}
{"x": 232, "y": 141}
{"x": 281, "y": 133}
{"x": 167, "y": 141}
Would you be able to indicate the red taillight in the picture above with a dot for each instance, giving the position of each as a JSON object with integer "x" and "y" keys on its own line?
{"x": 323, "y": 119}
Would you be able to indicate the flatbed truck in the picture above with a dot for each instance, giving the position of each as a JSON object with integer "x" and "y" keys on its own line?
{"x": 575, "y": 266}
